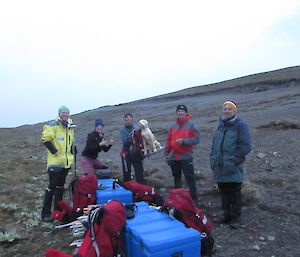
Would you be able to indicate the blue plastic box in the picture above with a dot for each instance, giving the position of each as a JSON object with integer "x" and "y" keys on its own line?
{"x": 155, "y": 234}
{"x": 106, "y": 192}
{"x": 141, "y": 208}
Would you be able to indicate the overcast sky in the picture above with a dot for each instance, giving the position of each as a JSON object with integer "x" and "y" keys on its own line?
{"x": 87, "y": 54}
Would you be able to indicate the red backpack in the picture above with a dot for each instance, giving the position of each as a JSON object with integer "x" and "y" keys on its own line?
{"x": 83, "y": 193}
{"x": 103, "y": 238}
{"x": 143, "y": 193}
{"x": 183, "y": 208}
{"x": 186, "y": 210}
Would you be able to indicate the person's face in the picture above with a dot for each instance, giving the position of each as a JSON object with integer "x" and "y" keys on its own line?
{"x": 99, "y": 129}
{"x": 181, "y": 114}
{"x": 128, "y": 120}
{"x": 228, "y": 112}
{"x": 64, "y": 115}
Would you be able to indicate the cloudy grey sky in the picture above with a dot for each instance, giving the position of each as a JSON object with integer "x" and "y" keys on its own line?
{"x": 87, "y": 54}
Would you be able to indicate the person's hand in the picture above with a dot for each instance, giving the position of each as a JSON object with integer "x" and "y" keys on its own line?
{"x": 103, "y": 142}
{"x": 179, "y": 141}
{"x": 56, "y": 154}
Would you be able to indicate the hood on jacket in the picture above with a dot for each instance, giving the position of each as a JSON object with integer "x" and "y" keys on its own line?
{"x": 182, "y": 121}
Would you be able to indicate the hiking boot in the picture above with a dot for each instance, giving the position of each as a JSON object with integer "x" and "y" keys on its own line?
{"x": 47, "y": 218}
{"x": 235, "y": 224}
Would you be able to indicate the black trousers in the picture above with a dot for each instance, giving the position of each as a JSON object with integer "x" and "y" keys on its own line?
{"x": 231, "y": 199}
{"x": 127, "y": 162}
{"x": 57, "y": 178}
{"x": 187, "y": 168}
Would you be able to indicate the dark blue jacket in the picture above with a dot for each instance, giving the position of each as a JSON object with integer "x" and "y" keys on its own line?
{"x": 231, "y": 144}
{"x": 126, "y": 134}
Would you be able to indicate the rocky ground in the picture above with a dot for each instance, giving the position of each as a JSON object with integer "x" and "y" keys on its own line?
{"x": 268, "y": 103}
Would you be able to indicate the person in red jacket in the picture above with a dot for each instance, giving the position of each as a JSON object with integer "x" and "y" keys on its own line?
{"x": 181, "y": 139}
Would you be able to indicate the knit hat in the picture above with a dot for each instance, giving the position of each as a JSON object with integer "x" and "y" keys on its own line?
{"x": 128, "y": 114}
{"x": 181, "y": 107}
{"x": 99, "y": 122}
{"x": 63, "y": 109}
{"x": 231, "y": 104}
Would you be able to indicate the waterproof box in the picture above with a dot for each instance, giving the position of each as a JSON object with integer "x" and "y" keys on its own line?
{"x": 155, "y": 234}
{"x": 108, "y": 190}
{"x": 143, "y": 207}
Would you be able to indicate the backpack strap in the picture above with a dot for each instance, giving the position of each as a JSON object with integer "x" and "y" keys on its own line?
{"x": 201, "y": 222}
{"x": 115, "y": 184}
{"x": 71, "y": 188}
{"x": 93, "y": 217}
{"x": 118, "y": 247}
{"x": 120, "y": 183}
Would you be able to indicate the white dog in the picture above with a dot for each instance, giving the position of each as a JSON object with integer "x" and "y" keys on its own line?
{"x": 150, "y": 143}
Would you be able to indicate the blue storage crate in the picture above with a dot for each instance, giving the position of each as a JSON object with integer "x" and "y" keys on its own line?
{"x": 155, "y": 234}
{"x": 143, "y": 211}
{"x": 143, "y": 207}
{"x": 106, "y": 192}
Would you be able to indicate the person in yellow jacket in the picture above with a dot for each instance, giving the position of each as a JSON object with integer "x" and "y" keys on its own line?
{"x": 58, "y": 138}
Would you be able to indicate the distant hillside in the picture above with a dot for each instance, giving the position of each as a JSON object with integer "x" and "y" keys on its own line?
{"x": 285, "y": 75}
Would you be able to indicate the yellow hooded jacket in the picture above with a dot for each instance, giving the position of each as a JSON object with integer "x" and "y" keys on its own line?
{"x": 61, "y": 138}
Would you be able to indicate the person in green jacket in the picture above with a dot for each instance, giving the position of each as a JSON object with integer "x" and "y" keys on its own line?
{"x": 230, "y": 146}
{"x": 58, "y": 138}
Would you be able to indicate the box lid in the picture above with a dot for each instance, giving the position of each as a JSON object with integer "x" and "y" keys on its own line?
{"x": 156, "y": 225}
{"x": 146, "y": 219}
{"x": 167, "y": 238}
{"x": 113, "y": 193}
{"x": 106, "y": 183}
{"x": 143, "y": 207}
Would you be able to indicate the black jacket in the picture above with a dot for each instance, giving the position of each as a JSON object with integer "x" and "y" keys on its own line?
{"x": 92, "y": 147}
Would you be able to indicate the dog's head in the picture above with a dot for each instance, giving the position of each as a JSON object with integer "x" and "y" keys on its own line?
{"x": 143, "y": 124}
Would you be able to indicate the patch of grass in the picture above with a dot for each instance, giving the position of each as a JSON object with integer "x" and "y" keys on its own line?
{"x": 9, "y": 236}
{"x": 160, "y": 131}
{"x": 267, "y": 206}
{"x": 32, "y": 222}
{"x": 156, "y": 179}
{"x": 250, "y": 193}
{"x": 212, "y": 121}
{"x": 207, "y": 129}
{"x": 293, "y": 189}
{"x": 268, "y": 181}
{"x": 212, "y": 191}
{"x": 9, "y": 206}
{"x": 280, "y": 124}
{"x": 29, "y": 217}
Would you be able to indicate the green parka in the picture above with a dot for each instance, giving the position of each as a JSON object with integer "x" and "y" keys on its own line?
{"x": 231, "y": 144}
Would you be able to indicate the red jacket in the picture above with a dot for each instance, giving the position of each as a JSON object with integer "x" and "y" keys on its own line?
{"x": 186, "y": 130}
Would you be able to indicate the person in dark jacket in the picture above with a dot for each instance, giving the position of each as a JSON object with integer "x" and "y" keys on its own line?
{"x": 95, "y": 144}
{"x": 181, "y": 139}
{"x": 132, "y": 150}
{"x": 231, "y": 144}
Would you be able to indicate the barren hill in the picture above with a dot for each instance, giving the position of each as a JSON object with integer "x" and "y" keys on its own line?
{"x": 270, "y": 104}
